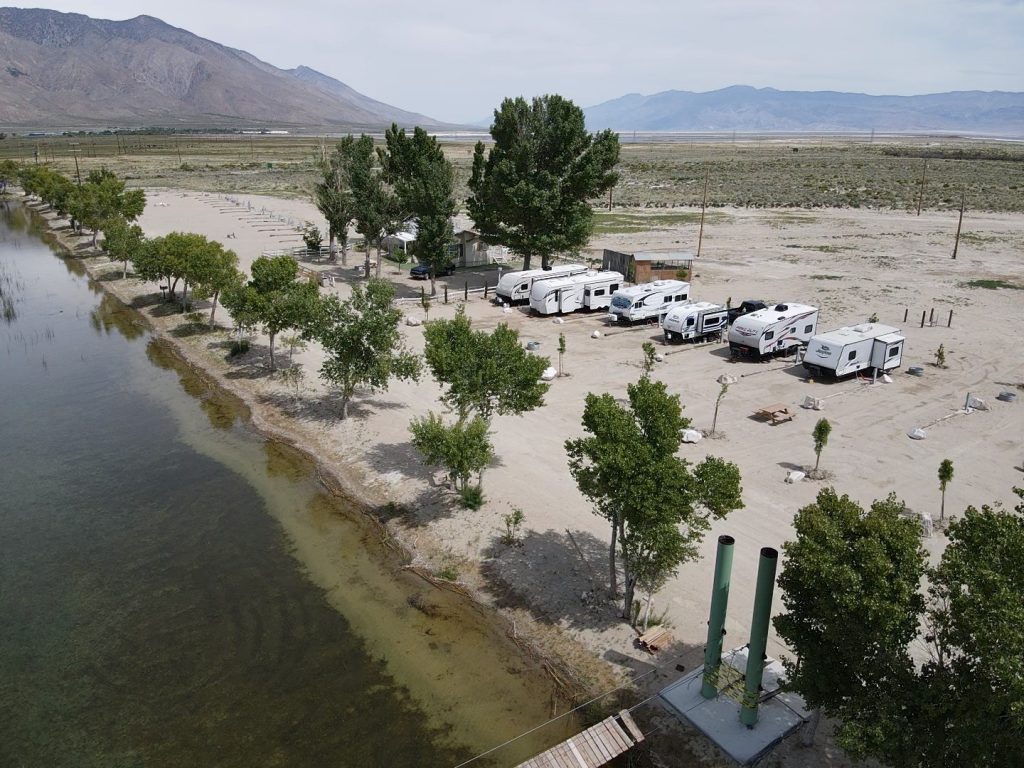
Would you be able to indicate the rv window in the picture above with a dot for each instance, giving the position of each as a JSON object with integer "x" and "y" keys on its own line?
{"x": 668, "y": 300}
{"x": 689, "y": 321}
{"x": 808, "y": 329}
{"x": 681, "y": 297}
{"x": 614, "y": 287}
{"x": 894, "y": 351}
{"x": 586, "y": 291}
{"x": 769, "y": 336}
{"x": 599, "y": 292}
{"x": 523, "y": 287}
{"x": 852, "y": 355}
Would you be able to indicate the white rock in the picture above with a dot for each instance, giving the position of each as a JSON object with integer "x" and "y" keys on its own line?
{"x": 558, "y": 321}
{"x": 814, "y": 403}
{"x": 886, "y": 378}
{"x": 976, "y": 403}
{"x": 659, "y": 358}
{"x": 727, "y": 378}
{"x": 917, "y": 434}
{"x": 692, "y": 436}
{"x": 413, "y": 321}
{"x": 549, "y": 374}
{"x": 595, "y": 335}
{"x": 795, "y": 476}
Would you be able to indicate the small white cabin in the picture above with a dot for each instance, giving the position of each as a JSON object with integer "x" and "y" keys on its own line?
{"x": 515, "y": 286}
{"x": 591, "y": 290}
{"x": 694, "y": 321}
{"x": 845, "y": 351}
{"x": 773, "y": 331}
{"x": 648, "y": 300}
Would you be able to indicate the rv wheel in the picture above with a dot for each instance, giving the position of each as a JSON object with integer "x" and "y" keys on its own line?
{"x": 669, "y": 336}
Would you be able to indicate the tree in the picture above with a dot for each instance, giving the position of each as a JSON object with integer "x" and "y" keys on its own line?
{"x": 361, "y": 338}
{"x": 483, "y": 373}
{"x": 851, "y": 589}
{"x": 217, "y": 273}
{"x": 273, "y": 298}
{"x": 658, "y": 508}
{"x": 647, "y": 364}
{"x": 424, "y": 183}
{"x": 718, "y": 401}
{"x": 561, "y": 351}
{"x": 334, "y": 196}
{"x": 425, "y": 302}
{"x": 821, "y": 432}
{"x": 940, "y": 357}
{"x": 312, "y": 239}
{"x": 530, "y": 190}
{"x": 103, "y": 199}
{"x": 945, "y": 476}
{"x": 462, "y": 448}
{"x": 377, "y": 211}
{"x": 122, "y": 242}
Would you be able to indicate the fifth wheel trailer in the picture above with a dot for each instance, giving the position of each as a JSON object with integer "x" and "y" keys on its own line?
{"x": 515, "y": 286}
{"x": 592, "y": 290}
{"x": 846, "y": 351}
{"x": 694, "y": 321}
{"x": 773, "y": 331}
{"x": 648, "y": 301}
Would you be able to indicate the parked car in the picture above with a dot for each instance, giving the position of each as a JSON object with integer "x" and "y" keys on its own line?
{"x": 748, "y": 306}
{"x": 422, "y": 271}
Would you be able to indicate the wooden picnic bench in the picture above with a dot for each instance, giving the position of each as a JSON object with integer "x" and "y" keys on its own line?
{"x": 654, "y": 639}
{"x": 775, "y": 413}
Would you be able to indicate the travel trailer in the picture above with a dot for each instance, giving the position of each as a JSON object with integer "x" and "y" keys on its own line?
{"x": 648, "y": 301}
{"x": 846, "y": 351}
{"x": 694, "y": 321}
{"x": 772, "y": 331}
{"x": 591, "y": 290}
{"x": 515, "y": 286}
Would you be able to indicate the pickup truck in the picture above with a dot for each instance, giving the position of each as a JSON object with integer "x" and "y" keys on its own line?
{"x": 748, "y": 306}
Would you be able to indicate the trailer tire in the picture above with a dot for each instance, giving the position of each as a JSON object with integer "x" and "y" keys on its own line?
{"x": 669, "y": 336}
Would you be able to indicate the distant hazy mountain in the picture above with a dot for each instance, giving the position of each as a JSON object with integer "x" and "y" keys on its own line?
{"x": 742, "y": 108}
{"x": 68, "y": 70}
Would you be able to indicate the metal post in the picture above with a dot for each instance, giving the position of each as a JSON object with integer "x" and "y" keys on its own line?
{"x": 931, "y": 317}
{"x": 716, "y": 621}
{"x": 446, "y": 294}
{"x": 949, "y": 323}
{"x": 905, "y": 313}
{"x": 485, "y": 289}
{"x": 759, "y": 634}
{"x": 924, "y": 314}
{"x": 465, "y": 294}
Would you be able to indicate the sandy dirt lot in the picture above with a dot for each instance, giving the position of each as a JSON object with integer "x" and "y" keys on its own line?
{"x": 850, "y": 263}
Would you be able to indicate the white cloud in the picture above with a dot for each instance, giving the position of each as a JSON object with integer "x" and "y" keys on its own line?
{"x": 457, "y": 60}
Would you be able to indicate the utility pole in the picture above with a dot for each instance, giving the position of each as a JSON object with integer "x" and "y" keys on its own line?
{"x": 920, "y": 194}
{"x": 78, "y": 173}
{"x": 703, "y": 207}
{"x": 959, "y": 224}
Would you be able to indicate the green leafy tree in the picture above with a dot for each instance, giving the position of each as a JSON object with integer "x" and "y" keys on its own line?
{"x": 103, "y": 199}
{"x": 530, "y": 190}
{"x": 216, "y": 274}
{"x": 377, "y": 210}
{"x": 940, "y": 357}
{"x": 462, "y": 448}
{"x": 821, "y": 432}
{"x": 483, "y": 373}
{"x": 334, "y": 196}
{"x": 851, "y": 589}
{"x": 659, "y": 509}
{"x": 424, "y": 183}
{"x": 945, "y": 477}
{"x": 561, "y": 351}
{"x": 273, "y": 298}
{"x": 361, "y": 338}
{"x": 312, "y": 239}
{"x": 649, "y": 357}
{"x": 123, "y": 242}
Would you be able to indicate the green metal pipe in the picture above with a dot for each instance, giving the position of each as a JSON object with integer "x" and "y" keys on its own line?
{"x": 716, "y": 621}
{"x": 759, "y": 634}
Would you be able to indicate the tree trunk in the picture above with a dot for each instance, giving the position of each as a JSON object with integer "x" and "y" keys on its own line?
{"x": 344, "y": 252}
{"x": 124, "y": 275}
{"x": 811, "y": 728}
{"x": 714, "y": 421}
{"x": 545, "y": 262}
{"x": 377, "y": 271}
{"x": 184, "y": 295}
{"x": 433, "y": 284}
{"x": 333, "y": 240}
{"x": 170, "y": 291}
{"x": 817, "y": 459}
{"x": 344, "y": 407}
{"x": 214, "y": 307}
{"x": 367, "y": 267}
{"x": 647, "y": 609}
{"x": 526, "y": 261}
{"x": 613, "y": 586}
{"x": 629, "y": 589}
{"x": 273, "y": 366}
{"x": 942, "y": 509}
{"x": 95, "y": 233}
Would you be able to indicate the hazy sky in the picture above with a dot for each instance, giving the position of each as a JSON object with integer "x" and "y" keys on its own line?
{"x": 455, "y": 60}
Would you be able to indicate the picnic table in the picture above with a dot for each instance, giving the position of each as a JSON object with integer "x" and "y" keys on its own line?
{"x": 776, "y": 413}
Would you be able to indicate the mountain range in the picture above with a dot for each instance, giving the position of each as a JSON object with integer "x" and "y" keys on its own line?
{"x": 69, "y": 70}
{"x": 742, "y": 108}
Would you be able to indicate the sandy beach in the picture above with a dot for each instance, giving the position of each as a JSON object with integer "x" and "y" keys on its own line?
{"x": 849, "y": 263}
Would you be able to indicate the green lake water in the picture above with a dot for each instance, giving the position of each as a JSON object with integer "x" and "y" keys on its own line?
{"x": 177, "y": 591}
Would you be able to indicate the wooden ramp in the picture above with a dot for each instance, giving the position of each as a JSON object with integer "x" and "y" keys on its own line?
{"x": 593, "y": 748}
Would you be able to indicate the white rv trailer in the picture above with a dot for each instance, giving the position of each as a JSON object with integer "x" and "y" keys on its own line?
{"x": 772, "y": 331}
{"x": 694, "y": 321}
{"x": 845, "y": 351}
{"x": 648, "y": 300}
{"x": 591, "y": 290}
{"x": 515, "y": 286}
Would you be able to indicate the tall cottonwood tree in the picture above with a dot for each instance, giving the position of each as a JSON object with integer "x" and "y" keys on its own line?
{"x": 377, "y": 211}
{"x": 424, "y": 182}
{"x": 658, "y": 507}
{"x": 530, "y": 191}
{"x": 333, "y": 195}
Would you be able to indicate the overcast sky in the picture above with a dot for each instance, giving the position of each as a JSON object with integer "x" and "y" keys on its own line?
{"x": 455, "y": 60}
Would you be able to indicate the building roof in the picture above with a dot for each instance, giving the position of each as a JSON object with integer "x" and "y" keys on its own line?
{"x": 663, "y": 256}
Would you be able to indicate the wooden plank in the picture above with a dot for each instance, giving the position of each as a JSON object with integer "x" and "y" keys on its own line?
{"x": 590, "y": 754}
{"x": 631, "y": 726}
{"x": 604, "y": 733}
{"x": 597, "y": 747}
{"x": 620, "y": 739}
{"x": 580, "y": 762}
{"x": 557, "y": 757}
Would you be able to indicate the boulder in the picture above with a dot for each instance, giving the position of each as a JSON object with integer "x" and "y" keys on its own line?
{"x": 795, "y": 476}
{"x": 413, "y": 321}
{"x": 692, "y": 436}
{"x": 549, "y": 374}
